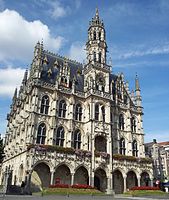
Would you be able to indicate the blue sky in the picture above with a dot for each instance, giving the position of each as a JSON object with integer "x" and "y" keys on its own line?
{"x": 137, "y": 38}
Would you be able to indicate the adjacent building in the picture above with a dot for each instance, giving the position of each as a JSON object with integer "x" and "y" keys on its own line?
{"x": 159, "y": 152}
{"x": 74, "y": 123}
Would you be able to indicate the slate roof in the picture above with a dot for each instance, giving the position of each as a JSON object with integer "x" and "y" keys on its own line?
{"x": 74, "y": 67}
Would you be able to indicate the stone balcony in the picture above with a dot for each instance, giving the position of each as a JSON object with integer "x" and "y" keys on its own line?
{"x": 61, "y": 154}
{"x": 131, "y": 161}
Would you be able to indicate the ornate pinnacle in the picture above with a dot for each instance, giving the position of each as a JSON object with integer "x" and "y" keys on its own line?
{"x": 15, "y": 94}
{"x": 137, "y": 85}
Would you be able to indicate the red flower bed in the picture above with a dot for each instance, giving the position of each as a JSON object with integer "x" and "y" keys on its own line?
{"x": 82, "y": 186}
{"x": 144, "y": 188}
{"x": 59, "y": 186}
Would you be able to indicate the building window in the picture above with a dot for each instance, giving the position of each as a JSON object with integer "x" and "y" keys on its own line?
{"x": 96, "y": 112}
{"x": 100, "y": 57}
{"x": 94, "y": 56}
{"x": 122, "y": 146}
{"x": 44, "y": 105}
{"x": 94, "y": 35}
{"x": 78, "y": 112}
{"x": 77, "y": 139}
{"x": 41, "y": 134}
{"x": 135, "y": 148}
{"x": 125, "y": 99}
{"x": 103, "y": 113}
{"x": 88, "y": 143}
{"x": 60, "y": 136}
{"x": 133, "y": 124}
{"x": 62, "y": 109}
{"x": 121, "y": 122}
{"x": 99, "y": 35}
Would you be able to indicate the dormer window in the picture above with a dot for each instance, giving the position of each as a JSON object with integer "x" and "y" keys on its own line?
{"x": 63, "y": 80}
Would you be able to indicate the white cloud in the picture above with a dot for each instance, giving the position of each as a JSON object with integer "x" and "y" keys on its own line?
{"x": 77, "y": 51}
{"x": 140, "y": 50}
{"x": 18, "y": 36}
{"x": 10, "y": 78}
{"x": 57, "y": 10}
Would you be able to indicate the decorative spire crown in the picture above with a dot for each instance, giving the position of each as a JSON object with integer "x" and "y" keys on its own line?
{"x": 96, "y": 20}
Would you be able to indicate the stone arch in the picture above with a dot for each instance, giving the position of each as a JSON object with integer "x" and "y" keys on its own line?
{"x": 81, "y": 175}
{"x": 131, "y": 179}
{"x": 62, "y": 174}
{"x": 144, "y": 179}
{"x": 40, "y": 176}
{"x": 101, "y": 102}
{"x": 45, "y": 162}
{"x": 118, "y": 181}
{"x": 100, "y": 143}
{"x": 100, "y": 179}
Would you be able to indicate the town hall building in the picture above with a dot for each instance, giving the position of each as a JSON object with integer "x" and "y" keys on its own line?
{"x": 73, "y": 123}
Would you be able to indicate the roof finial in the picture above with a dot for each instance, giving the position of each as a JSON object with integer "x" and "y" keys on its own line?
{"x": 137, "y": 86}
{"x": 97, "y": 13}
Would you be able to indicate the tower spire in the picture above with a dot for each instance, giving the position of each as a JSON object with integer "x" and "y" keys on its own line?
{"x": 138, "y": 93}
{"x": 97, "y": 13}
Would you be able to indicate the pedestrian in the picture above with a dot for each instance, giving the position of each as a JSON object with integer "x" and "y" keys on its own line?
{"x": 22, "y": 187}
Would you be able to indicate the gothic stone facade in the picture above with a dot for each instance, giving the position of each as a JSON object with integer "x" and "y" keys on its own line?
{"x": 74, "y": 123}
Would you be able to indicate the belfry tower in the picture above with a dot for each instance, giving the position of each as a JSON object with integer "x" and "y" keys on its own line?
{"x": 96, "y": 46}
{"x": 96, "y": 71}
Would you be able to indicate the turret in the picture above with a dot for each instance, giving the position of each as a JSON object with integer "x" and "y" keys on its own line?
{"x": 138, "y": 94}
{"x": 37, "y": 61}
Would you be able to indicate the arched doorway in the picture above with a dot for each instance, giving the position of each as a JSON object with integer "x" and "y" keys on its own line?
{"x": 81, "y": 176}
{"x": 40, "y": 177}
{"x": 145, "y": 179}
{"x": 131, "y": 180}
{"x": 100, "y": 180}
{"x": 100, "y": 144}
{"x": 118, "y": 182}
{"x": 62, "y": 175}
